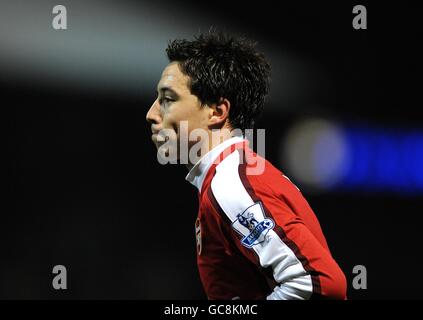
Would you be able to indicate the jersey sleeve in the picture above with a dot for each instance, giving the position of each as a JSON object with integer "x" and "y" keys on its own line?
{"x": 266, "y": 230}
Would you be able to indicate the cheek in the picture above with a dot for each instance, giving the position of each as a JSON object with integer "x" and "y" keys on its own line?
{"x": 170, "y": 116}
{"x": 188, "y": 112}
{"x": 201, "y": 117}
{"x": 172, "y": 119}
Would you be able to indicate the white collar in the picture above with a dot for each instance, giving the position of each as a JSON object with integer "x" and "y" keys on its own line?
{"x": 199, "y": 171}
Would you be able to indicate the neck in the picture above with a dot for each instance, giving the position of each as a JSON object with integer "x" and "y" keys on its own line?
{"x": 214, "y": 138}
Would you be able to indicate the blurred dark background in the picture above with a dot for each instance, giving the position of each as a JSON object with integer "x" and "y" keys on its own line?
{"x": 85, "y": 189}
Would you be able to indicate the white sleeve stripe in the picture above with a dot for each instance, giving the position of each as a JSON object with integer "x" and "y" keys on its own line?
{"x": 234, "y": 199}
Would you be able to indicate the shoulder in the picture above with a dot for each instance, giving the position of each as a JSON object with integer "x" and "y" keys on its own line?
{"x": 232, "y": 188}
{"x": 238, "y": 183}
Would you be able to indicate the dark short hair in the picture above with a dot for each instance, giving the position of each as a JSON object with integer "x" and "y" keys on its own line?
{"x": 222, "y": 66}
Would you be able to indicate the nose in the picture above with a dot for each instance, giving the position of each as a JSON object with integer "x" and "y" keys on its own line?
{"x": 153, "y": 115}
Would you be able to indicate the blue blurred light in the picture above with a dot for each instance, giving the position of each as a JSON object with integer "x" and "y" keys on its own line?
{"x": 357, "y": 165}
{"x": 382, "y": 160}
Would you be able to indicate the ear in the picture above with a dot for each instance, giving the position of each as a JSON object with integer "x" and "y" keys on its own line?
{"x": 219, "y": 113}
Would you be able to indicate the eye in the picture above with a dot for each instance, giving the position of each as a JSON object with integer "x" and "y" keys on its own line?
{"x": 165, "y": 100}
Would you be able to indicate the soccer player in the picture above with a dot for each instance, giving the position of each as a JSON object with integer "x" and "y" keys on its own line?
{"x": 257, "y": 237}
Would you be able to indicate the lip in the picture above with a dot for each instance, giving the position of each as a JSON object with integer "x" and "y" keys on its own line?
{"x": 154, "y": 136}
{"x": 155, "y": 129}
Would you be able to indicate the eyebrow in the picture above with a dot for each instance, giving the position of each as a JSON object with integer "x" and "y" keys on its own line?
{"x": 163, "y": 89}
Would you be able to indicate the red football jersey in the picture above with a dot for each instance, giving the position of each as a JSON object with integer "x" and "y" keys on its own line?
{"x": 257, "y": 237}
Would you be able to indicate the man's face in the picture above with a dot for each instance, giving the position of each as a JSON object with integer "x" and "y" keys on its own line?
{"x": 174, "y": 104}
